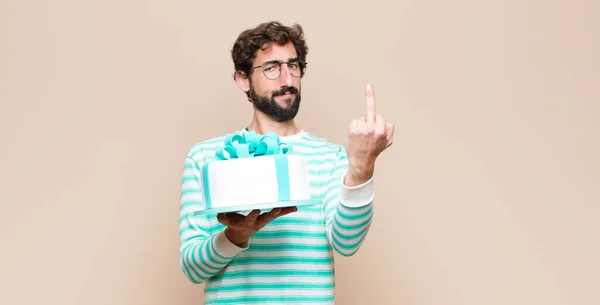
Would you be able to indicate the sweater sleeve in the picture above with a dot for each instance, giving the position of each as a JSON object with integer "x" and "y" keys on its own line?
{"x": 349, "y": 210}
{"x": 203, "y": 253}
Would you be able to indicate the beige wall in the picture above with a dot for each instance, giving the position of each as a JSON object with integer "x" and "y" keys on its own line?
{"x": 490, "y": 194}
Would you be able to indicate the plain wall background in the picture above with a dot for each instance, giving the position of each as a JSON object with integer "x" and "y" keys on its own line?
{"x": 489, "y": 195}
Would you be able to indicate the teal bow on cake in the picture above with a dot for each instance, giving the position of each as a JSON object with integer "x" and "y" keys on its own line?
{"x": 251, "y": 144}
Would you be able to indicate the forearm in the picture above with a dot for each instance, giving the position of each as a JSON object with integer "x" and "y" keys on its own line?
{"x": 203, "y": 258}
{"x": 349, "y": 228}
{"x": 352, "y": 215}
{"x": 203, "y": 252}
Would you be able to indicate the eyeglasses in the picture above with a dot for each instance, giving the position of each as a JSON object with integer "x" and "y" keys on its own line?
{"x": 272, "y": 69}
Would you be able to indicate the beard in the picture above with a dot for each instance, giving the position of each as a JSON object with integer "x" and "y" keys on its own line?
{"x": 269, "y": 106}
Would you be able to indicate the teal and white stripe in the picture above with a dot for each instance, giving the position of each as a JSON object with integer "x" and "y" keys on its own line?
{"x": 291, "y": 259}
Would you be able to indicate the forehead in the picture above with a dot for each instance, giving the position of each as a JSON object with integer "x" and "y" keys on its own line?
{"x": 275, "y": 51}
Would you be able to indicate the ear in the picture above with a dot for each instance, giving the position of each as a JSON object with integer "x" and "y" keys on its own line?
{"x": 242, "y": 81}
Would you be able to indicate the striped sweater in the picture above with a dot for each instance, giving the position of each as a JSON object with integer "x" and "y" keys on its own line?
{"x": 291, "y": 260}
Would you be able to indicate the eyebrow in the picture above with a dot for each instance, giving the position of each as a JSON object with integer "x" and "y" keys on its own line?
{"x": 294, "y": 59}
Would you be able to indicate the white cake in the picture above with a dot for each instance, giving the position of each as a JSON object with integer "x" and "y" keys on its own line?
{"x": 238, "y": 182}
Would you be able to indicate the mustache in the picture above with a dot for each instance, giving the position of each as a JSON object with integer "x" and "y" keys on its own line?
{"x": 285, "y": 90}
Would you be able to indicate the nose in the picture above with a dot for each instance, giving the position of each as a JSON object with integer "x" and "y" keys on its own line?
{"x": 286, "y": 78}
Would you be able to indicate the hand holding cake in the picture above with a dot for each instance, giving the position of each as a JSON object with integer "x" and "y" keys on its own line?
{"x": 240, "y": 228}
{"x": 367, "y": 138}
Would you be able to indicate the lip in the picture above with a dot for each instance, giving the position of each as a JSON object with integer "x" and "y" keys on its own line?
{"x": 286, "y": 95}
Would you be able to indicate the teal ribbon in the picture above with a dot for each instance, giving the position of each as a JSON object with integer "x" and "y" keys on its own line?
{"x": 250, "y": 144}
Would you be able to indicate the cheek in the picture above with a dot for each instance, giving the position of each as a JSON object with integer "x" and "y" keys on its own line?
{"x": 264, "y": 87}
{"x": 297, "y": 83}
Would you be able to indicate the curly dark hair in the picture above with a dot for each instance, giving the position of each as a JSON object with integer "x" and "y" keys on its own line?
{"x": 251, "y": 40}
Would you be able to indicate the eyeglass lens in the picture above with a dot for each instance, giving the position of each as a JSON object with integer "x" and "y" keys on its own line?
{"x": 273, "y": 70}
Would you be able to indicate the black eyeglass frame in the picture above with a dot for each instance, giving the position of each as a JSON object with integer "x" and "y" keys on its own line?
{"x": 300, "y": 63}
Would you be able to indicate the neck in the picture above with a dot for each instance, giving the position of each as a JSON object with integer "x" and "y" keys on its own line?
{"x": 262, "y": 124}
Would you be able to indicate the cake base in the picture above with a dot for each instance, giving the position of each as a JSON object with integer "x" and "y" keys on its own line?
{"x": 264, "y": 207}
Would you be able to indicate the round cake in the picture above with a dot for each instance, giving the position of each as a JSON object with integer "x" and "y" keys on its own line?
{"x": 254, "y": 172}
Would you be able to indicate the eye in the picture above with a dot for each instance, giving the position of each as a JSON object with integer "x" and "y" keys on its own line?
{"x": 269, "y": 67}
{"x": 293, "y": 65}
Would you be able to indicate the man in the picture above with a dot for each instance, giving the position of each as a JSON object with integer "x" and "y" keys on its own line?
{"x": 284, "y": 255}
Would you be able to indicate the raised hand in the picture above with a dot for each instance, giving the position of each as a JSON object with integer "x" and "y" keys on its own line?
{"x": 240, "y": 228}
{"x": 367, "y": 138}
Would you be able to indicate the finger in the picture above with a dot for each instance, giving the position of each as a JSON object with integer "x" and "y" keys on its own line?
{"x": 287, "y": 210}
{"x": 370, "y": 96}
{"x": 222, "y": 218}
{"x": 362, "y": 124}
{"x": 252, "y": 216}
{"x": 389, "y": 134}
{"x": 380, "y": 126}
{"x": 353, "y": 125}
{"x": 234, "y": 218}
{"x": 265, "y": 218}
{"x": 389, "y": 131}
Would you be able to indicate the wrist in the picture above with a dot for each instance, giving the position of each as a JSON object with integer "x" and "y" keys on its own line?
{"x": 358, "y": 174}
